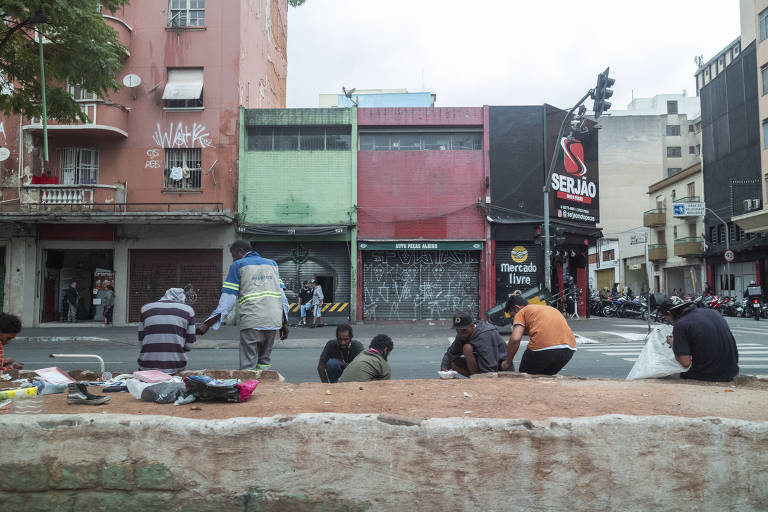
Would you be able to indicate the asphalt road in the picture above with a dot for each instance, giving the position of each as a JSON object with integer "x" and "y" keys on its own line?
{"x": 612, "y": 346}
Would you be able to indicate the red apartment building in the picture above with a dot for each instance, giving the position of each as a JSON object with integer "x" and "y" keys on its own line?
{"x": 142, "y": 196}
{"x": 422, "y": 181}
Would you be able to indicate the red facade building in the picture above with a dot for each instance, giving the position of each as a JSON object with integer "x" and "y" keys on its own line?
{"x": 423, "y": 180}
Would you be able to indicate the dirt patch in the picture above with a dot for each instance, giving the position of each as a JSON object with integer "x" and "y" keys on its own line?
{"x": 510, "y": 396}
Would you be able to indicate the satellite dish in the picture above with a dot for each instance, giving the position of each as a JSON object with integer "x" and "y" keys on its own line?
{"x": 4, "y": 154}
{"x": 131, "y": 80}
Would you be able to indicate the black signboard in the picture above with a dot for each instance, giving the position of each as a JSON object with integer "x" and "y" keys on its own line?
{"x": 517, "y": 268}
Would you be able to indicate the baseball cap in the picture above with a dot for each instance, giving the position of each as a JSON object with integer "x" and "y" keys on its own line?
{"x": 672, "y": 304}
{"x": 462, "y": 320}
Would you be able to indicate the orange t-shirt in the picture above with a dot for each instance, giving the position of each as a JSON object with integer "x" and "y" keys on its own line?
{"x": 546, "y": 327}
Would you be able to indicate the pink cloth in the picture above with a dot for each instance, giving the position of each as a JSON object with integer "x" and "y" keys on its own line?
{"x": 151, "y": 376}
{"x": 246, "y": 388}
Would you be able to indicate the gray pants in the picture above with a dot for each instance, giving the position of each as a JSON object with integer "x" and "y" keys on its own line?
{"x": 255, "y": 347}
{"x": 72, "y": 313}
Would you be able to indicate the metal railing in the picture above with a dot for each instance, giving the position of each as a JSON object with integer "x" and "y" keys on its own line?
{"x": 689, "y": 199}
{"x": 655, "y": 210}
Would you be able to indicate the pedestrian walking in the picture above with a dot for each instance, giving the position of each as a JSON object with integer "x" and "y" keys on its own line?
{"x": 108, "y": 300}
{"x": 72, "y": 299}
{"x": 254, "y": 282}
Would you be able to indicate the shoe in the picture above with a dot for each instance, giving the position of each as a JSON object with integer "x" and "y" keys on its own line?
{"x": 263, "y": 366}
{"x": 77, "y": 394}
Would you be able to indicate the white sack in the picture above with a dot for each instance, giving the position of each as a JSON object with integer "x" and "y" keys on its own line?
{"x": 656, "y": 359}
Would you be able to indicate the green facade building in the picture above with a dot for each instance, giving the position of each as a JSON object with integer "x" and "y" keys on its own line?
{"x": 297, "y": 199}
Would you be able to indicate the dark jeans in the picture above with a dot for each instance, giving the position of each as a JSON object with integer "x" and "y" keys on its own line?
{"x": 108, "y": 314}
{"x": 333, "y": 370}
{"x": 545, "y": 362}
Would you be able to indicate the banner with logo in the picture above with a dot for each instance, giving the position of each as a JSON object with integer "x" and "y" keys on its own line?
{"x": 517, "y": 268}
{"x": 575, "y": 181}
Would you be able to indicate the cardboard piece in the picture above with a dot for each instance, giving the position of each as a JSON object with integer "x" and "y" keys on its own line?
{"x": 54, "y": 375}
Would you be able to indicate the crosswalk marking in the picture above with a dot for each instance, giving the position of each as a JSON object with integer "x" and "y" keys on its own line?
{"x": 753, "y": 359}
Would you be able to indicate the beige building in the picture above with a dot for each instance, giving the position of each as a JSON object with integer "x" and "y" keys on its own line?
{"x": 754, "y": 26}
{"x": 676, "y": 244}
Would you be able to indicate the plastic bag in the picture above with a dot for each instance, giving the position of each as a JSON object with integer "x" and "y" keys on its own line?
{"x": 656, "y": 359}
{"x": 207, "y": 389}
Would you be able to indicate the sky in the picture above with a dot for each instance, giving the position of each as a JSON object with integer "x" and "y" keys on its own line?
{"x": 503, "y": 52}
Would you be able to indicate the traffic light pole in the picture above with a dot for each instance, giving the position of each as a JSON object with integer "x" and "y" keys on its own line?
{"x": 547, "y": 245}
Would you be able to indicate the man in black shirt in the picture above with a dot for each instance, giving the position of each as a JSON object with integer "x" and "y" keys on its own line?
{"x": 305, "y": 299}
{"x": 337, "y": 354}
{"x": 701, "y": 341}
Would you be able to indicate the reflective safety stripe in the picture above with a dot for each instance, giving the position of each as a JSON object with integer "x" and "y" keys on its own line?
{"x": 231, "y": 286}
{"x": 259, "y": 295}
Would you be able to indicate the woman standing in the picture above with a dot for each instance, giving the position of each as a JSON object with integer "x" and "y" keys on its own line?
{"x": 108, "y": 301}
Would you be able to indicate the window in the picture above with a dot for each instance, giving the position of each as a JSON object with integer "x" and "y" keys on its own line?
{"x": 78, "y": 166}
{"x": 720, "y": 63}
{"x": 691, "y": 150}
{"x": 691, "y": 189}
{"x": 762, "y": 21}
{"x": 671, "y": 171}
{"x": 80, "y": 94}
{"x": 608, "y": 255}
{"x": 692, "y": 230}
{"x": 673, "y": 130}
{"x": 661, "y": 237}
{"x": 765, "y": 133}
{"x": 593, "y": 258}
{"x": 672, "y": 107}
{"x": 764, "y": 78}
{"x": 691, "y": 128}
{"x": 184, "y": 88}
{"x": 674, "y": 232}
{"x": 295, "y": 138}
{"x": 659, "y": 202}
{"x": 674, "y": 152}
{"x": 698, "y": 149}
{"x": 416, "y": 141}
{"x": 183, "y": 169}
{"x": 713, "y": 234}
{"x": 187, "y": 13}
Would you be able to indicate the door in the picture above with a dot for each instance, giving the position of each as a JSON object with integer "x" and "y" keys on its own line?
{"x": 419, "y": 285}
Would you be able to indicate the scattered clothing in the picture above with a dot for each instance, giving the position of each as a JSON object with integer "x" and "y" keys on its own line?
{"x": 166, "y": 329}
{"x": 368, "y": 365}
{"x": 704, "y": 335}
{"x": 487, "y": 345}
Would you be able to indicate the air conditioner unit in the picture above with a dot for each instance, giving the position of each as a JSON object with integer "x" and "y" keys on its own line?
{"x": 751, "y": 204}
{"x": 755, "y": 204}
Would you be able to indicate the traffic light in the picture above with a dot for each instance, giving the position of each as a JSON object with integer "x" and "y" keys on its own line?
{"x": 538, "y": 238}
{"x": 602, "y": 93}
{"x": 559, "y": 237}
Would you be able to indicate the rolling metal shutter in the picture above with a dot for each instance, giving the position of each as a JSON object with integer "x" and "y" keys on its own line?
{"x": 152, "y": 272}
{"x": 420, "y": 285}
{"x": 317, "y": 259}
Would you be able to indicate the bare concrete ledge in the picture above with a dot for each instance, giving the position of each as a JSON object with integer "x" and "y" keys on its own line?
{"x": 369, "y": 462}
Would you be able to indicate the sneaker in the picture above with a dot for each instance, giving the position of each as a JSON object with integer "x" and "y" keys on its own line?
{"x": 263, "y": 366}
{"x": 77, "y": 394}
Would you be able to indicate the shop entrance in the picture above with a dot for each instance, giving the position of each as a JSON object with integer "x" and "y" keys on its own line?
{"x": 91, "y": 269}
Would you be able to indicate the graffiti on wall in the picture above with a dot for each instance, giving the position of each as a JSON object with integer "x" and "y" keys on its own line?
{"x": 2, "y": 130}
{"x": 420, "y": 285}
{"x": 179, "y": 135}
{"x": 153, "y": 161}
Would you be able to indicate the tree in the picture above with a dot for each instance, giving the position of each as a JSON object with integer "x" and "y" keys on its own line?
{"x": 79, "y": 49}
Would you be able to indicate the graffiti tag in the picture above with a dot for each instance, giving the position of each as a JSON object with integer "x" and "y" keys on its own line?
{"x": 152, "y": 162}
{"x": 181, "y": 136}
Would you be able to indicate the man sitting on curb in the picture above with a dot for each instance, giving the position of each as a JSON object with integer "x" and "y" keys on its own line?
{"x": 372, "y": 363}
{"x": 477, "y": 348}
{"x": 701, "y": 341}
{"x": 337, "y": 354}
{"x": 552, "y": 342}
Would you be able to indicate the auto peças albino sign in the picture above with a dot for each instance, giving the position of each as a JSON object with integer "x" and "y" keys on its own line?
{"x": 575, "y": 182}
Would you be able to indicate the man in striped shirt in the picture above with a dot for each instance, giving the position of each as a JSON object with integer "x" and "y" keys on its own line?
{"x": 166, "y": 329}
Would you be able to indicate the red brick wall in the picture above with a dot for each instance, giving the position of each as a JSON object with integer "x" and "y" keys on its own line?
{"x": 152, "y": 272}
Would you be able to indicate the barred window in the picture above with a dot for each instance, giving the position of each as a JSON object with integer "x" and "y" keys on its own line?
{"x": 183, "y": 169}
{"x": 427, "y": 141}
{"x": 299, "y": 138}
{"x": 187, "y": 13}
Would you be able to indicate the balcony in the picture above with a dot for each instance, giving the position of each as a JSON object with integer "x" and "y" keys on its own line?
{"x": 123, "y": 30}
{"x": 655, "y": 218}
{"x": 105, "y": 119}
{"x": 71, "y": 197}
{"x": 688, "y": 247}
{"x": 657, "y": 252}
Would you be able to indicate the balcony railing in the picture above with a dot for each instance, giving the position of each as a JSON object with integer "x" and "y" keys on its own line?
{"x": 655, "y": 218}
{"x": 104, "y": 117}
{"x": 657, "y": 252}
{"x": 689, "y": 199}
{"x": 689, "y": 246}
{"x": 74, "y": 196}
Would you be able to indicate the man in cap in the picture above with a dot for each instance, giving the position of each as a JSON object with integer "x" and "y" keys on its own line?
{"x": 477, "y": 348}
{"x": 551, "y": 344}
{"x": 166, "y": 329}
{"x": 254, "y": 282}
{"x": 371, "y": 364}
{"x": 701, "y": 341}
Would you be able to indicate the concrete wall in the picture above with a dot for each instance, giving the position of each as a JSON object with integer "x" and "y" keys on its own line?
{"x": 363, "y": 462}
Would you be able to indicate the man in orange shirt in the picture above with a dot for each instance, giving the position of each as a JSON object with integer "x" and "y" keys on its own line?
{"x": 552, "y": 342}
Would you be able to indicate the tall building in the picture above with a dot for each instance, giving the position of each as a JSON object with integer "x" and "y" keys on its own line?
{"x": 754, "y": 26}
{"x": 654, "y": 138}
{"x": 141, "y": 196}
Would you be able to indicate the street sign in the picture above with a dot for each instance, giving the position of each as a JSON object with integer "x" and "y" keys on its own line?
{"x": 688, "y": 209}
{"x": 729, "y": 256}
{"x": 637, "y": 238}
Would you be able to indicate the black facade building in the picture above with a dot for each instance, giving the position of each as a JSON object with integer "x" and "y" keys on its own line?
{"x": 522, "y": 140}
{"x": 731, "y": 171}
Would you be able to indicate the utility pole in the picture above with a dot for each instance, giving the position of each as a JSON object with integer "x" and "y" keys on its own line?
{"x": 727, "y": 246}
{"x": 599, "y": 94}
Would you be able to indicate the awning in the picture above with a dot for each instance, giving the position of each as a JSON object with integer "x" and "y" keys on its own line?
{"x": 184, "y": 84}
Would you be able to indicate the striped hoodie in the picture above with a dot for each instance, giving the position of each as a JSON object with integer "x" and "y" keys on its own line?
{"x": 165, "y": 328}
